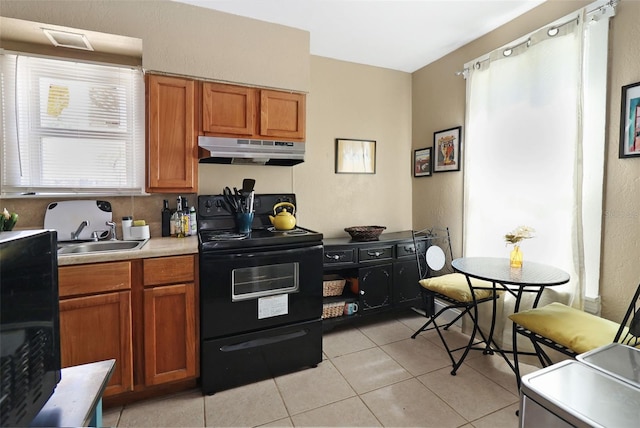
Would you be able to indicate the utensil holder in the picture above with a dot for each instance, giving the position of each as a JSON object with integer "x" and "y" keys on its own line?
{"x": 243, "y": 222}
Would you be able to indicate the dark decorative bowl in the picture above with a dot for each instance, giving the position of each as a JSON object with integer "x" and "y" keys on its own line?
{"x": 365, "y": 233}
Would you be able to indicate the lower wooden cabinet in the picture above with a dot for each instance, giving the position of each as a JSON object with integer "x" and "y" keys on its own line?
{"x": 170, "y": 314}
{"x": 170, "y": 333}
{"x": 142, "y": 313}
{"x": 96, "y": 328}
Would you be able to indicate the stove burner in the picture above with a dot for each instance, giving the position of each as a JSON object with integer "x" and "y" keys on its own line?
{"x": 226, "y": 236}
{"x": 296, "y": 231}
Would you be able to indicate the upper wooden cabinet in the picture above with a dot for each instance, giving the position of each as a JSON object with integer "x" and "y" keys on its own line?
{"x": 228, "y": 109}
{"x": 172, "y": 146}
{"x": 244, "y": 112}
{"x": 282, "y": 114}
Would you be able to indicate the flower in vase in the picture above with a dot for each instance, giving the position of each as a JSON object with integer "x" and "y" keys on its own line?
{"x": 519, "y": 233}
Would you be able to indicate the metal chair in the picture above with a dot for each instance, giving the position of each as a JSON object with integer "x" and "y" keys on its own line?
{"x": 457, "y": 294}
{"x": 571, "y": 331}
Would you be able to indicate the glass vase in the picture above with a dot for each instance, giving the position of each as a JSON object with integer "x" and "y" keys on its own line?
{"x": 515, "y": 259}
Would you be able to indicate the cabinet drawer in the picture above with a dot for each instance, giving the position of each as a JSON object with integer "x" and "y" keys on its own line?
{"x": 406, "y": 249}
{"x": 94, "y": 278}
{"x": 339, "y": 256}
{"x": 169, "y": 270}
{"x": 378, "y": 253}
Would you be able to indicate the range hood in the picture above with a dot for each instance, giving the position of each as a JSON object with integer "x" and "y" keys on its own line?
{"x": 252, "y": 152}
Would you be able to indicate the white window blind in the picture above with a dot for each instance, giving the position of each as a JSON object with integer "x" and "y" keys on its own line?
{"x": 71, "y": 127}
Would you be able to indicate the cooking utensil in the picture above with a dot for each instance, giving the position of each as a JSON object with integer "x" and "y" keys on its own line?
{"x": 248, "y": 184}
{"x": 231, "y": 200}
{"x": 252, "y": 197}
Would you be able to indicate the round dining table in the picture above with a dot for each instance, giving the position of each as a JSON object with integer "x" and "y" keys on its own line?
{"x": 532, "y": 277}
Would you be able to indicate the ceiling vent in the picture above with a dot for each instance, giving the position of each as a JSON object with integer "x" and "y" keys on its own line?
{"x": 67, "y": 39}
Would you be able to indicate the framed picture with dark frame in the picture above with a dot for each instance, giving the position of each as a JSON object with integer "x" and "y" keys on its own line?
{"x": 422, "y": 162}
{"x": 446, "y": 148}
{"x": 630, "y": 121}
{"x": 355, "y": 156}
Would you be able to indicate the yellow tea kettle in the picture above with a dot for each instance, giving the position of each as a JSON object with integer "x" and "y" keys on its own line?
{"x": 284, "y": 220}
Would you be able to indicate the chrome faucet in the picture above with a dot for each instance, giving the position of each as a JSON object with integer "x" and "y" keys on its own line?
{"x": 75, "y": 235}
{"x": 112, "y": 230}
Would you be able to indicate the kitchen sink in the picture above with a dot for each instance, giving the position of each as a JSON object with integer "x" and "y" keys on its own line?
{"x": 99, "y": 247}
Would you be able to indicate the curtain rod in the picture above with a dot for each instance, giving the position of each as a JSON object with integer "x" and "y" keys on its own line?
{"x": 507, "y": 50}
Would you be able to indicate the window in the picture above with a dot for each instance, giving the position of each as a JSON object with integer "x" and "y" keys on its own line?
{"x": 535, "y": 150}
{"x": 71, "y": 127}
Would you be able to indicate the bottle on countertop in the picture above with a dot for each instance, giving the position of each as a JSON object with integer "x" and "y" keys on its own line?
{"x": 127, "y": 222}
{"x": 186, "y": 220}
{"x": 166, "y": 219}
{"x": 178, "y": 218}
{"x": 192, "y": 220}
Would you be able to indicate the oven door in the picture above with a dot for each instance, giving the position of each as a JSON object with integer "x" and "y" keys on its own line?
{"x": 249, "y": 289}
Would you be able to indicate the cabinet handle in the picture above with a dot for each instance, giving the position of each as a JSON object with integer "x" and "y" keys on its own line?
{"x": 375, "y": 253}
{"x": 333, "y": 256}
{"x": 362, "y": 292}
{"x": 410, "y": 249}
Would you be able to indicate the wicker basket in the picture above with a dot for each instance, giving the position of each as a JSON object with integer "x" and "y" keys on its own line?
{"x": 332, "y": 285}
{"x": 365, "y": 233}
{"x": 332, "y": 310}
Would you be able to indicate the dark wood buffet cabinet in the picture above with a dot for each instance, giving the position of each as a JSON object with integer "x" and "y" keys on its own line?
{"x": 381, "y": 275}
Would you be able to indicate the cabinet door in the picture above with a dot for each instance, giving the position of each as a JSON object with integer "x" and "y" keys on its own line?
{"x": 375, "y": 287}
{"x": 228, "y": 109}
{"x": 172, "y": 147}
{"x": 97, "y": 328}
{"x": 169, "y": 333}
{"x": 406, "y": 290}
{"x": 282, "y": 115}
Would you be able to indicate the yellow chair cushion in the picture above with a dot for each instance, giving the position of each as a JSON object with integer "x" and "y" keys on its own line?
{"x": 455, "y": 286}
{"x": 572, "y": 328}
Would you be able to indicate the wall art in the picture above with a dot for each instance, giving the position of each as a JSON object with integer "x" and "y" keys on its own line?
{"x": 446, "y": 148}
{"x": 630, "y": 121}
{"x": 422, "y": 162}
{"x": 355, "y": 156}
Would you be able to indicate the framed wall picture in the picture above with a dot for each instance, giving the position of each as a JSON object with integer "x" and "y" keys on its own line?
{"x": 630, "y": 121}
{"x": 422, "y": 162}
{"x": 446, "y": 149}
{"x": 355, "y": 156}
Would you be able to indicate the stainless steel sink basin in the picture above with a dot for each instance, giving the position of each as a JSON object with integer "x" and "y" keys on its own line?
{"x": 100, "y": 246}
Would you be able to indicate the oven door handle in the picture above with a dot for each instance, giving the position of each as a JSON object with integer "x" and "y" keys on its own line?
{"x": 264, "y": 341}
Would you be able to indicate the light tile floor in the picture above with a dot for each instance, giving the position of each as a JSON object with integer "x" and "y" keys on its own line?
{"x": 373, "y": 374}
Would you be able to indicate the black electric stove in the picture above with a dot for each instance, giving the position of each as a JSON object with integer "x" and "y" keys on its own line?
{"x": 260, "y": 295}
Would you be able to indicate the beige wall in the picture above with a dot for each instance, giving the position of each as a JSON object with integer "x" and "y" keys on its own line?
{"x": 345, "y": 100}
{"x": 439, "y": 103}
{"x": 184, "y": 39}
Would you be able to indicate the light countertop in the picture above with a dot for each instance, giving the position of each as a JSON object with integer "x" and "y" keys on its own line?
{"x": 155, "y": 247}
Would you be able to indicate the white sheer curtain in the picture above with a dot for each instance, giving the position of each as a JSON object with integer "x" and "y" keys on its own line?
{"x": 535, "y": 146}
{"x": 522, "y": 153}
